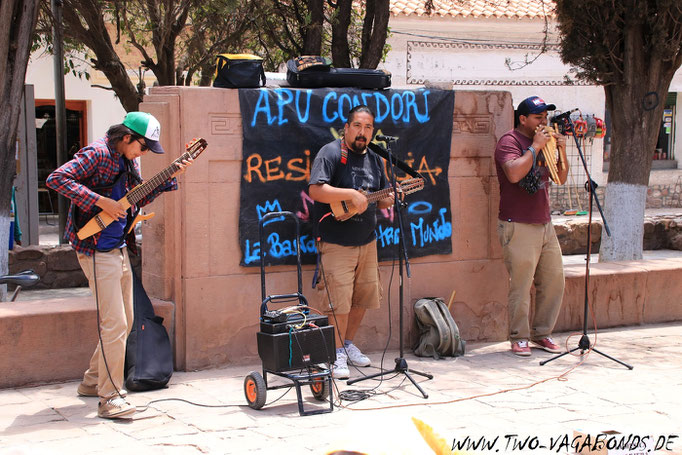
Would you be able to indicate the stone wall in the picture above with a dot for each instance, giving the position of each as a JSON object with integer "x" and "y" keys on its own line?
{"x": 573, "y": 197}
{"x": 662, "y": 232}
{"x": 57, "y": 266}
{"x": 659, "y": 196}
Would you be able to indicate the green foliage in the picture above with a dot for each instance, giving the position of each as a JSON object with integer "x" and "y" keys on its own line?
{"x": 280, "y": 29}
{"x": 601, "y": 38}
{"x": 178, "y": 39}
{"x": 74, "y": 51}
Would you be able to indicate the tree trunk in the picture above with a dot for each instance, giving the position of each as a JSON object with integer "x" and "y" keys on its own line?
{"x": 17, "y": 22}
{"x": 97, "y": 39}
{"x": 639, "y": 103}
{"x": 313, "y": 35}
{"x": 374, "y": 33}
{"x": 340, "y": 24}
{"x": 207, "y": 72}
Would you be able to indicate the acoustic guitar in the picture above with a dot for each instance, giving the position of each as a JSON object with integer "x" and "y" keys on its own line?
{"x": 100, "y": 221}
{"x": 344, "y": 210}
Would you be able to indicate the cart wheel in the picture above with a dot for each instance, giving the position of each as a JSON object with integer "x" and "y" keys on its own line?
{"x": 255, "y": 390}
{"x": 320, "y": 388}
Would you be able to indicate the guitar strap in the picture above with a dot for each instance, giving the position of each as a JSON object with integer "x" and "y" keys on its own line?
{"x": 134, "y": 210}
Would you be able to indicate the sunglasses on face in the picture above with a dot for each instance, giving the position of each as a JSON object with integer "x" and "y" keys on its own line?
{"x": 143, "y": 145}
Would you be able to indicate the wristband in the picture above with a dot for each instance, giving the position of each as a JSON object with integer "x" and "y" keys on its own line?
{"x": 533, "y": 151}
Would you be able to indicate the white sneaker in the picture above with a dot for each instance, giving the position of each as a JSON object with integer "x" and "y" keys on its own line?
{"x": 115, "y": 408}
{"x": 340, "y": 368}
{"x": 357, "y": 358}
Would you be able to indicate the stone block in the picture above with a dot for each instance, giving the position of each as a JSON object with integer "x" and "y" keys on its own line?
{"x": 31, "y": 252}
{"x": 663, "y": 290}
{"x": 39, "y": 266}
{"x": 46, "y": 341}
{"x": 617, "y": 293}
{"x": 62, "y": 258}
{"x": 73, "y": 279}
{"x": 676, "y": 242}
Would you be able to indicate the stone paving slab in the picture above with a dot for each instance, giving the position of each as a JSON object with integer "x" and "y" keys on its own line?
{"x": 489, "y": 395}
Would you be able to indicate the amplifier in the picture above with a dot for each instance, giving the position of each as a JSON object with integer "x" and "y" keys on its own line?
{"x": 292, "y": 319}
{"x": 298, "y": 348}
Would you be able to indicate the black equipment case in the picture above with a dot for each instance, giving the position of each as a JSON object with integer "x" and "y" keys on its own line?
{"x": 239, "y": 71}
{"x": 325, "y": 76}
{"x": 149, "y": 357}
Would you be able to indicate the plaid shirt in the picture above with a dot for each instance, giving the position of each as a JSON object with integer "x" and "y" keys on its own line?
{"x": 94, "y": 166}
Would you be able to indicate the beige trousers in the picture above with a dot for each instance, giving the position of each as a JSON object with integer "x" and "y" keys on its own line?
{"x": 532, "y": 255}
{"x": 114, "y": 289}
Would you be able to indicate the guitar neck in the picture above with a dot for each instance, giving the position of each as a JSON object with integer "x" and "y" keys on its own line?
{"x": 376, "y": 196}
{"x": 406, "y": 187}
{"x": 144, "y": 189}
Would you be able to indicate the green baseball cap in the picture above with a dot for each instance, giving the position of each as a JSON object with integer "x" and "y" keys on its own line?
{"x": 146, "y": 126}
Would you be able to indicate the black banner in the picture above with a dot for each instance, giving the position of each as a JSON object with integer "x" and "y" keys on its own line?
{"x": 283, "y": 130}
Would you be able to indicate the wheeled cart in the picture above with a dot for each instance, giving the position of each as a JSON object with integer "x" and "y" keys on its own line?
{"x": 292, "y": 343}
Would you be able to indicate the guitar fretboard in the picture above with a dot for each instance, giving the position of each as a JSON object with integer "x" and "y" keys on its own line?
{"x": 407, "y": 187}
{"x": 379, "y": 195}
{"x": 144, "y": 189}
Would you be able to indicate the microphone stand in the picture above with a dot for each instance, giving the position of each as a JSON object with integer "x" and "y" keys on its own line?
{"x": 590, "y": 187}
{"x": 401, "y": 366}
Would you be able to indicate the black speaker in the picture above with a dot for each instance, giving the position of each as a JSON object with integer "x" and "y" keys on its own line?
{"x": 295, "y": 348}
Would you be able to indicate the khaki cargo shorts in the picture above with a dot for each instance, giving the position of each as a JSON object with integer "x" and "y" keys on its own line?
{"x": 351, "y": 275}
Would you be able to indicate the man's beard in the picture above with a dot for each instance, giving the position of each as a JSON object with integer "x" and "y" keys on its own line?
{"x": 358, "y": 147}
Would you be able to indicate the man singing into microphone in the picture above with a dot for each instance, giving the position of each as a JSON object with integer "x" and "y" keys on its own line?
{"x": 531, "y": 249}
{"x": 341, "y": 170}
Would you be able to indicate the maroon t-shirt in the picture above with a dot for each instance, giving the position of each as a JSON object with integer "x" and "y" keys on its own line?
{"x": 515, "y": 202}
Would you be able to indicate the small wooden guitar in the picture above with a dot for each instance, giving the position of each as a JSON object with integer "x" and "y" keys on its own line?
{"x": 344, "y": 210}
{"x": 100, "y": 221}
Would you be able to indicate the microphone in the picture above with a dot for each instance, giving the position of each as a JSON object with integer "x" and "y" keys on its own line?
{"x": 384, "y": 138}
{"x": 563, "y": 115}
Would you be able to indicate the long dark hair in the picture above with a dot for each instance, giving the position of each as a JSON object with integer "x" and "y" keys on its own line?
{"x": 359, "y": 108}
{"x": 116, "y": 133}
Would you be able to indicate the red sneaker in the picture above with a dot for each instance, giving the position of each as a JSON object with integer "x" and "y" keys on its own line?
{"x": 520, "y": 347}
{"x": 548, "y": 345}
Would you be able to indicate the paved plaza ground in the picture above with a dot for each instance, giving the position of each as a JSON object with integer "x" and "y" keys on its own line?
{"x": 488, "y": 401}
{"x": 512, "y": 404}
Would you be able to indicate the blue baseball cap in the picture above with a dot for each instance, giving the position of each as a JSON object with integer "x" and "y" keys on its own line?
{"x": 146, "y": 126}
{"x": 534, "y": 105}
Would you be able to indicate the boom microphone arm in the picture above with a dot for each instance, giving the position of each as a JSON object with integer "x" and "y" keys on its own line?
{"x": 393, "y": 160}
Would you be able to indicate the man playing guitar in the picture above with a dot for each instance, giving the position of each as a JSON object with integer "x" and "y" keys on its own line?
{"x": 98, "y": 176}
{"x": 343, "y": 170}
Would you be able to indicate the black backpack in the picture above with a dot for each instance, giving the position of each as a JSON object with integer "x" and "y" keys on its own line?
{"x": 149, "y": 358}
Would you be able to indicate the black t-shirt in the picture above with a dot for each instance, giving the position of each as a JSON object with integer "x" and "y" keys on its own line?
{"x": 361, "y": 172}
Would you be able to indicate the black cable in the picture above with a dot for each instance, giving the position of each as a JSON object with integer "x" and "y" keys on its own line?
{"x": 364, "y": 393}
{"x": 144, "y": 408}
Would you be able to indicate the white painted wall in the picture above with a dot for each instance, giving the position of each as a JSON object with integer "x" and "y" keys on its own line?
{"x": 470, "y": 54}
{"x": 104, "y": 109}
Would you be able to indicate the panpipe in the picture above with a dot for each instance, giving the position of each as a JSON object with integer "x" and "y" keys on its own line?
{"x": 549, "y": 153}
